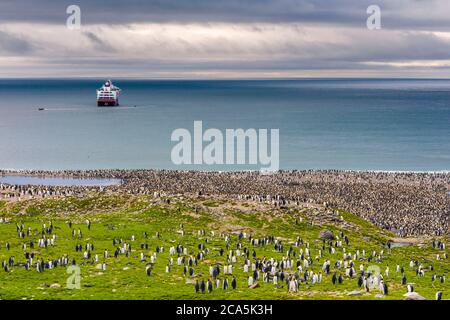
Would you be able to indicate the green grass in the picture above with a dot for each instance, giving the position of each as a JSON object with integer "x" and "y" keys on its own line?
{"x": 122, "y": 216}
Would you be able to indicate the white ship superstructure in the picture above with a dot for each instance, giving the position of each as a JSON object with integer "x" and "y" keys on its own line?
{"x": 108, "y": 95}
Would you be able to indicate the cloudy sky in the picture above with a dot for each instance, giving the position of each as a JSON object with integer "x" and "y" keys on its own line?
{"x": 225, "y": 39}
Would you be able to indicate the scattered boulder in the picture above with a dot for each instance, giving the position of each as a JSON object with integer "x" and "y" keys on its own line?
{"x": 413, "y": 296}
{"x": 55, "y": 286}
{"x": 326, "y": 234}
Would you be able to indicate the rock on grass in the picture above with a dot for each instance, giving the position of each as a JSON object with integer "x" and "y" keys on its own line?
{"x": 413, "y": 296}
{"x": 326, "y": 234}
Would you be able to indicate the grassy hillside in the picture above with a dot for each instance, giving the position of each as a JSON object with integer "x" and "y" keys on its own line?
{"x": 122, "y": 217}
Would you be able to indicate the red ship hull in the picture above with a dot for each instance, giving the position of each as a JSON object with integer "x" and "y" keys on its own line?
{"x": 107, "y": 102}
{"x": 108, "y": 95}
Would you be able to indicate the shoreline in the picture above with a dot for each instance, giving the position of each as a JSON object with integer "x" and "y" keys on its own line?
{"x": 11, "y": 171}
{"x": 408, "y": 204}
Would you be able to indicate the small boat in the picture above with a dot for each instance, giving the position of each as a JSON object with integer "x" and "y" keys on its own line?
{"x": 41, "y": 109}
{"x": 108, "y": 95}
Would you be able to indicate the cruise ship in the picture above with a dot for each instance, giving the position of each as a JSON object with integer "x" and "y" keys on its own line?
{"x": 108, "y": 95}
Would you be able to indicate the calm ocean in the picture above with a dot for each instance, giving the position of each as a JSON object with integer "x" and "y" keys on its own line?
{"x": 324, "y": 123}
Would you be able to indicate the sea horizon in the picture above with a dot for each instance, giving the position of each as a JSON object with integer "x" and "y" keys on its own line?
{"x": 224, "y": 78}
{"x": 359, "y": 124}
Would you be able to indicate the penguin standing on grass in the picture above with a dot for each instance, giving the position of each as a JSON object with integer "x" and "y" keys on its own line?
{"x": 403, "y": 280}
{"x": 360, "y": 281}
{"x": 225, "y": 284}
{"x": 210, "y": 286}
{"x": 197, "y": 286}
{"x": 202, "y": 286}
{"x": 383, "y": 288}
{"x": 366, "y": 284}
{"x": 233, "y": 283}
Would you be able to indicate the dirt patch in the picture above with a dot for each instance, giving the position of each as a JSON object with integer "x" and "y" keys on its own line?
{"x": 408, "y": 241}
{"x": 192, "y": 214}
{"x": 233, "y": 228}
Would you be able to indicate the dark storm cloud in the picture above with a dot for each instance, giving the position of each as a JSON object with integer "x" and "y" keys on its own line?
{"x": 142, "y": 38}
{"x": 397, "y": 13}
{"x": 116, "y": 11}
{"x": 99, "y": 43}
{"x": 11, "y": 44}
